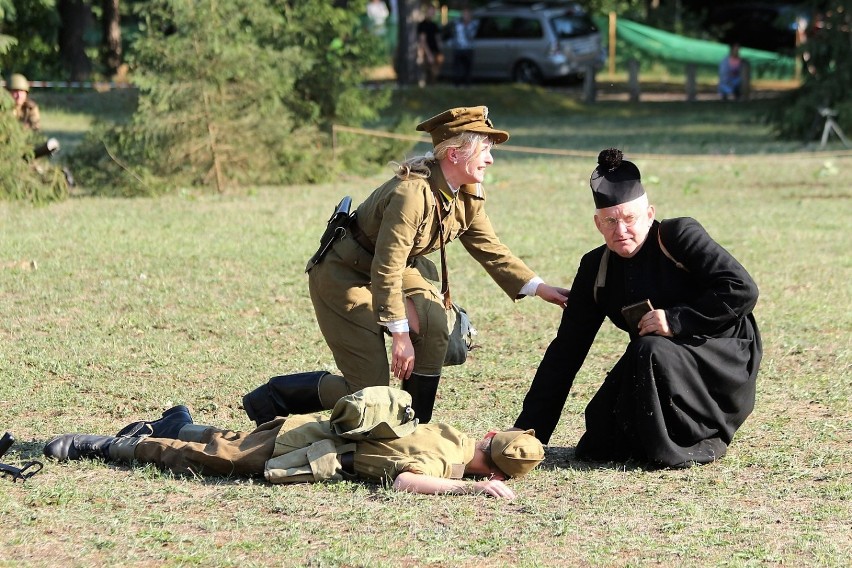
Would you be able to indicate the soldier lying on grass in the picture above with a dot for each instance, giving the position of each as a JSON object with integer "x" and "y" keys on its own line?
{"x": 371, "y": 435}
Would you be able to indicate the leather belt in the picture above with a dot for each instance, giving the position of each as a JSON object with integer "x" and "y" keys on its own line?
{"x": 359, "y": 236}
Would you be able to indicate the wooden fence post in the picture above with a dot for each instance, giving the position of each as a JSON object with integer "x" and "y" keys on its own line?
{"x": 745, "y": 78}
{"x": 690, "y": 82}
{"x": 612, "y": 38}
{"x": 633, "y": 80}
{"x": 589, "y": 87}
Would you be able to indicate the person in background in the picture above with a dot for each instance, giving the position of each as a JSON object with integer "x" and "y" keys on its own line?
{"x": 377, "y": 12}
{"x": 730, "y": 74}
{"x": 430, "y": 58}
{"x": 370, "y": 435}
{"x": 686, "y": 381}
{"x": 464, "y": 30}
{"x": 27, "y": 112}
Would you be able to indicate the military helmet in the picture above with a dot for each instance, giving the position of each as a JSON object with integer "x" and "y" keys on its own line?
{"x": 18, "y": 82}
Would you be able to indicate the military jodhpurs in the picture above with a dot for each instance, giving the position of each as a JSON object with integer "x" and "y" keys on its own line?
{"x": 343, "y": 304}
{"x": 219, "y": 452}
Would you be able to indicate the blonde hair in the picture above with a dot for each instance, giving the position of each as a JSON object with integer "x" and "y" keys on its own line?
{"x": 467, "y": 143}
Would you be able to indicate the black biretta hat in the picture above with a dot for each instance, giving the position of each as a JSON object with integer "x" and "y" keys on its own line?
{"x": 615, "y": 180}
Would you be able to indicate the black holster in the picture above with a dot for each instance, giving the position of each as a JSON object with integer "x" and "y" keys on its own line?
{"x": 334, "y": 230}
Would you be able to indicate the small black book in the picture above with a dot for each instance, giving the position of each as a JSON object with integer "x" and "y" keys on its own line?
{"x": 634, "y": 312}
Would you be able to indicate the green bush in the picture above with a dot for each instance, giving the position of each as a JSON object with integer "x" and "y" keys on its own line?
{"x": 234, "y": 94}
{"x": 34, "y": 25}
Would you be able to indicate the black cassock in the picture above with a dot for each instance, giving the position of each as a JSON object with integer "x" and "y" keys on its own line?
{"x": 670, "y": 401}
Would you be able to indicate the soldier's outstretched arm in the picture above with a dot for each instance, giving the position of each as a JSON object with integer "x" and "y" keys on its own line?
{"x": 430, "y": 485}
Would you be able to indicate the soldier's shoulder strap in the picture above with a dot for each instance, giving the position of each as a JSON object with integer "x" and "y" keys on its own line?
{"x": 666, "y": 251}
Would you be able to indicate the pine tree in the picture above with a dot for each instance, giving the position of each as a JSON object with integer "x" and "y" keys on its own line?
{"x": 234, "y": 92}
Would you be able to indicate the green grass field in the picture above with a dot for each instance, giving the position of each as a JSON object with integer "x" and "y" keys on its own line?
{"x": 114, "y": 310}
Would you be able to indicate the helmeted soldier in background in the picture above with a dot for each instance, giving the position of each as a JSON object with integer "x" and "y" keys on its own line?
{"x": 26, "y": 109}
{"x": 27, "y": 112}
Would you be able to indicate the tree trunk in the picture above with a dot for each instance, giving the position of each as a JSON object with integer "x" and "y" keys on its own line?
{"x": 112, "y": 36}
{"x": 406, "y": 47}
{"x": 76, "y": 17}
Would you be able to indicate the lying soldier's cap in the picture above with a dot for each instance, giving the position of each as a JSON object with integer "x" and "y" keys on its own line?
{"x": 374, "y": 413}
{"x": 455, "y": 121}
{"x": 516, "y": 453}
{"x": 615, "y": 180}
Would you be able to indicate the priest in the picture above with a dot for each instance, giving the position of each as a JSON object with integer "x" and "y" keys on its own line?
{"x": 686, "y": 381}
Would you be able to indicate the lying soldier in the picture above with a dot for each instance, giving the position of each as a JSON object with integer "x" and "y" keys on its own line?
{"x": 371, "y": 435}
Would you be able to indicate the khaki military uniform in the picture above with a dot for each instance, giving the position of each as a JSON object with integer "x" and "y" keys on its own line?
{"x": 28, "y": 115}
{"x": 432, "y": 449}
{"x": 355, "y": 291}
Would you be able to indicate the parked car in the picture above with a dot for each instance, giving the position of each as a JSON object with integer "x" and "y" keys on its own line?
{"x": 531, "y": 43}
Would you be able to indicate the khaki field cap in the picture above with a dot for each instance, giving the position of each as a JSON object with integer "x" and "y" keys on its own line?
{"x": 463, "y": 119}
{"x": 516, "y": 453}
{"x": 374, "y": 413}
{"x": 18, "y": 82}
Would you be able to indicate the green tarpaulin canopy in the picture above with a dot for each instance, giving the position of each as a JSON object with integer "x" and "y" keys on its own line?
{"x": 673, "y": 48}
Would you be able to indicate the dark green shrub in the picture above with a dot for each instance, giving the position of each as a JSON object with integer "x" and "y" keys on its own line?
{"x": 232, "y": 94}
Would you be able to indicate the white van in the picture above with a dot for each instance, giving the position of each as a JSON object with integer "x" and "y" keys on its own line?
{"x": 532, "y": 43}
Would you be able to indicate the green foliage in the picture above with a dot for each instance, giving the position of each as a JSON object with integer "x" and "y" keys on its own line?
{"x": 7, "y": 9}
{"x": 94, "y": 161}
{"x": 34, "y": 25}
{"x": 336, "y": 41}
{"x": 21, "y": 178}
{"x": 624, "y": 8}
{"x": 233, "y": 94}
{"x": 358, "y": 156}
{"x": 827, "y": 78}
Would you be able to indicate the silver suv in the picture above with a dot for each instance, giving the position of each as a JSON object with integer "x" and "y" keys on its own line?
{"x": 532, "y": 43}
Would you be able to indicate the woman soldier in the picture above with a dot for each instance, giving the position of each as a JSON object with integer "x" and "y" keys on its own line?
{"x": 376, "y": 279}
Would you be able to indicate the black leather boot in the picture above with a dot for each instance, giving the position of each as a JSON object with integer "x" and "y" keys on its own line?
{"x": 423, "y": 390}
{"x": 79, "y": 446}
{"x": 168, "y": 426}
{"x": 284, "y": 395}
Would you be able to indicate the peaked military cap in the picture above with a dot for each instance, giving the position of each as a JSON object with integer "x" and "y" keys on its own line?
{"x": 615, "y": 180}
{"x": 455, "y": 121}
{"x": 516, "y": 453}
{"x": 374, "y": 413}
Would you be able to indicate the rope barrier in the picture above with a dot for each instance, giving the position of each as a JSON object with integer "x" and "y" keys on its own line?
{"x": 335, "y": 128}
{"x": 97, "y": 85}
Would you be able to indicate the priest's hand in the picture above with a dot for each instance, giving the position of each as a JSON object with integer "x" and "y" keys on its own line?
{"x": 655, "y": 322}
